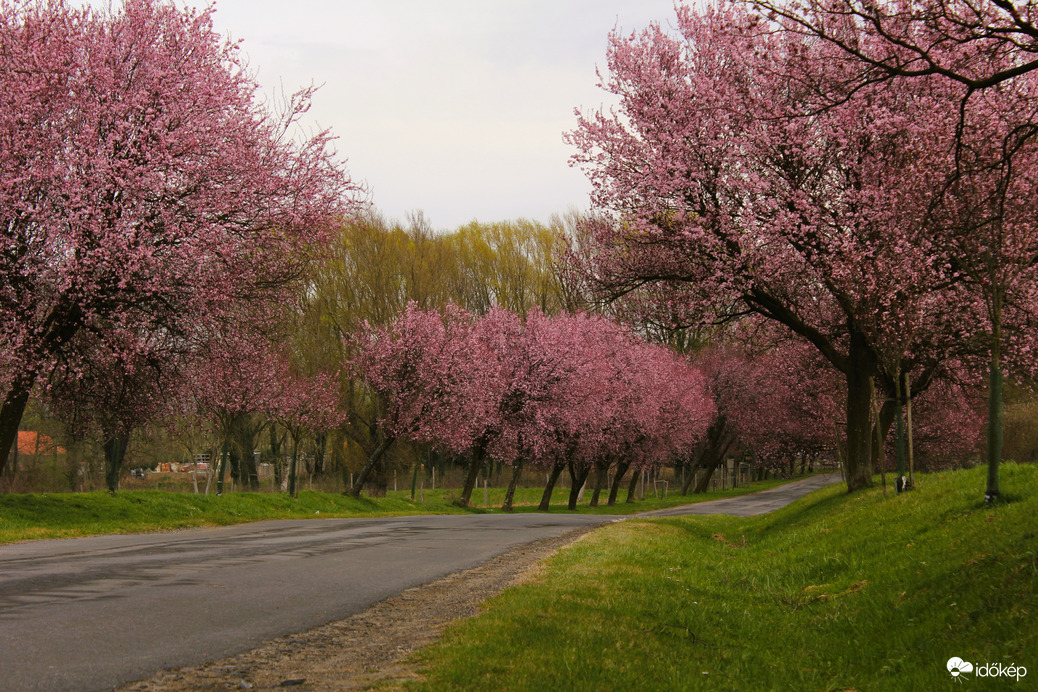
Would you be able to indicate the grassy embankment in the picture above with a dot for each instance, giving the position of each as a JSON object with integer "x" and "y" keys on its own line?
{"x": 835, "y": 592}
{"x": 70, "y": 515}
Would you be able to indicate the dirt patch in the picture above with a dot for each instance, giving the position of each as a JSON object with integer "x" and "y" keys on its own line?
{"x": 368, "y": 648}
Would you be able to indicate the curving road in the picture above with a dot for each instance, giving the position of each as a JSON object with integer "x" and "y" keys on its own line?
{"x": 755, "y": 503}
{"x": 93, "y": 613}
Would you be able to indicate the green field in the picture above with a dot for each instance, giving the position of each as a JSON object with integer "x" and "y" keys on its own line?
{"x": 69, "y": 515}
{"x": 835, "y": 592}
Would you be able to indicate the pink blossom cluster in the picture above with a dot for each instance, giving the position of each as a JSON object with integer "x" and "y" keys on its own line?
{"x": 543, "y": 390}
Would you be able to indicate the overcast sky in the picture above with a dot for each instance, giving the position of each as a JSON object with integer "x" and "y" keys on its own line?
{"x": 451, "y": 107}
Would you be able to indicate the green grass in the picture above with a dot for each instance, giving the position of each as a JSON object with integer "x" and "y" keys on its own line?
{"x": 835, "y": 592}
{"x": 71, "y": 515}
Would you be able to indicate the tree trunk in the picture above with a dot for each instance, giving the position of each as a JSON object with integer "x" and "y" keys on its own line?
{"x": 707, "y": 451}
{"x": 601, "y": 474}
{"x": 275, "y": 456}
{"x": 899, "y": 432}
{"x": 878, "y": 448}
{"x": 221, "y": 471}
{"x": 691, "y": 469}
{"x": 115, "y": 451}
{"x": 517, "y": 471}
{"x": 860, "y": 370}
{"x": 632, "y": 486}
{"x": 708, "y": 472}
{"x": 375, "y": 457}
{"x": 577, "y": 476}
{"x": 712, "y": 458}
{"x": 11, "y": 413}
{"x": 994, "y": 441}
{"x": 251, "y": 470}
{"x": 887, "y": 417}
{"x": 908, "y": 433}
{"x": 556, "y": 471}
{"x": 292, "y": 465}
{"x": 621, "y": 470}
{"x": 234, "y": 461}
{"x": 244, "y": 469}
{"x": 11, "y": 416}
{"x": 475, "y": 466}
{"x": 14, "y": 456}
{"x": 320, "y": 450}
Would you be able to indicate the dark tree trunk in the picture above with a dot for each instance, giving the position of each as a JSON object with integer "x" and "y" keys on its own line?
{"x": 234, "y": 459}
{"x": 549, "y": 487}
{"x": 292, "y": 466}
{"x": 11, "y": 413}
{"x": 577, "y": 476}
{"x": 709, "y": 450}
{"x": 887, "y": 417}
{"x": 860, "y": 387}
{"x": 621, "y": 471}
{"x": 221, "y": 471}
{"x": 243, "y": 456}
{"x": 115, "y": 451}
{"x": 373, "y": 460}
{"x": 379, "y": 479}
{"x": 708, "y": 468}
{"x": 713, "y": 456}
{"x": 320, "y": 445}
{"x": 14, "y": 459}
{"x": 633, "y": 486}
{"x": 517, "y": 472}
{"x": 995, "y": 413}
{"x": 475, "y": 466}
{"x": 251, "y": 470}
{"x": 692, "y": 470}
{"x": 601, "y": 474}
{"x": 899, "y": 432}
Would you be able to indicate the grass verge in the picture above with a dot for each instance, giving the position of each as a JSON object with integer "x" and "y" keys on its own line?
{"x": 835, "y": 592}
{"x": 72, "y": 515}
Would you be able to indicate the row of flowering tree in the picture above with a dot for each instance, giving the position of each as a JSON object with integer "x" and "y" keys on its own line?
{"x": 573, "y": 393}
{"x": 780, "y": 402}
{"x": 982, "y": 54}
{"x": 749, "y": 165}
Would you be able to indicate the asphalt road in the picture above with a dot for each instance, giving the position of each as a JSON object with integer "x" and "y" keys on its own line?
{"x": 755, "y": 503}
{"x": 93, "y": 613}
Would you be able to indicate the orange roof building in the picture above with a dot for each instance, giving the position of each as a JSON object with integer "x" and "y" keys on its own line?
{"x": 31, "y": 442}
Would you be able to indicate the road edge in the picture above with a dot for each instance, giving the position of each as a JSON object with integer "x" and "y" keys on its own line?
{"x": 369, "y": 648}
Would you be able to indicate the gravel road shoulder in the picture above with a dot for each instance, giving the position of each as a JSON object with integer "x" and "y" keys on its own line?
{"x": 368, "y": 648}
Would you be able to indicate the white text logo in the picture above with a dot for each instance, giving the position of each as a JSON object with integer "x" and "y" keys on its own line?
{"x": 959, "y": 668}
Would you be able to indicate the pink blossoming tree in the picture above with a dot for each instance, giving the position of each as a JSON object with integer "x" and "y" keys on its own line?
{"x": 723, "y": 175}
{"x": 417, "y": 372}
{"x": 236, "y": 383}
{"x": 987, "y": 53}
{"x": 143, "y": 187}
{"x": 305, "y": 404}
